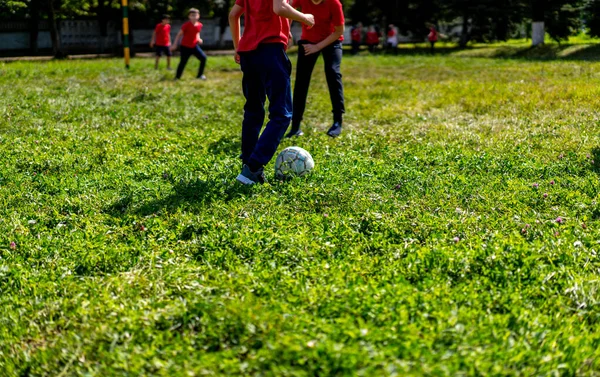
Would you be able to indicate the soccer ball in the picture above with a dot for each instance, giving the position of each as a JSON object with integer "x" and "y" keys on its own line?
{"x": 293, "y": 161}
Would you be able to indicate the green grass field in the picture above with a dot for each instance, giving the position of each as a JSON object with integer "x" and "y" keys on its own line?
{"x": 452, "y": 231}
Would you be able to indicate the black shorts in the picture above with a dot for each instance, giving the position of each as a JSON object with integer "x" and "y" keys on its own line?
{"x": 160, "y": 50}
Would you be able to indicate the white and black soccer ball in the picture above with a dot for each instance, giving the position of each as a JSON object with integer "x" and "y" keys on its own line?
{"x": 293, "y": 162}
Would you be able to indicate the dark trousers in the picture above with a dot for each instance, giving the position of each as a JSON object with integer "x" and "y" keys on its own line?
{"x": 186, "y": 52}
{"x": 390, "y": 47}
{"x": 355, "y": 47}
{"x": 332, "y": 57}
{"x": 432, "y": 46}
{"x": 267, "y": 74}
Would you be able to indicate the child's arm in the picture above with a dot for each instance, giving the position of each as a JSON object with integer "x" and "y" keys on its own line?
{"x": 153, "y": 40}
{"x": 200, "y": 39}
{"x": 283, "y": 9}
{"x": 313, "y": 49}
{"x": 177, "y": 38}
{"x": 234, "y": 25}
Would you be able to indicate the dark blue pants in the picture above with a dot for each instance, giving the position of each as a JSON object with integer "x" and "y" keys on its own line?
{"x": 186, "y": 52}
{"x": 332, "y": 58}
{"x": 267, "y": 74}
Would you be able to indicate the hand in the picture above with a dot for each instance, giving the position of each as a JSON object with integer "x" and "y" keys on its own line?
{"x": 200, "y": 41}
{"x": 151, "y": 44}
{"x": 309, "y": 20}
{"x": 311, "y": 49}
{"x": 290, "y": 40}
{"x": 173, "y": 48}
{"x": 237, "y": 58}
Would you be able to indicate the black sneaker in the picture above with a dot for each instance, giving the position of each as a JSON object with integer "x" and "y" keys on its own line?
{"x": 247, "y": 177}
{"x": 294, "y": 133}
{"x": 335, "y": 130}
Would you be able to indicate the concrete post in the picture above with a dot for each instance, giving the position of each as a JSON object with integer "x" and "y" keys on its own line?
{"x": 538, "y": 32}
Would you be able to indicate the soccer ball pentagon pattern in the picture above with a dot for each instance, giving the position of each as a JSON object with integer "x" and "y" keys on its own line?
{"x": 293, "y": 161}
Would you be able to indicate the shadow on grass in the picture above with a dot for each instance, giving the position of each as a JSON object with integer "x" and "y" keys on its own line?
{"x": 549, "y": 52}
{"x": 595, "y": 155}
{"x": 575, "y": 52}
{"x": 195, "y": 194}
{"x": 225, "y": 146}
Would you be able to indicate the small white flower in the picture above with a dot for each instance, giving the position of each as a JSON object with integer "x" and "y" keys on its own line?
{"x": 578, "y": 244}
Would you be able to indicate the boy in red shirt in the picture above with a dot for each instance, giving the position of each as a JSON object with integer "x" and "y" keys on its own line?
{"x": 161, "y": 41}
{"x": 325, "y": 38}
{"x": 372, "y": 39}
{"x": 356, "y": 35}
{"x": 392, "y": 39}
{"x": 261, "y": 52}
{"x": 190, "y": 43}
{"x": 433, "y": 37}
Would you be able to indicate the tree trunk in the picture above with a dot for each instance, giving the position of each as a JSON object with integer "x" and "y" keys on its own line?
{"x": 34, "y": 26}
{"x": 538, "y": 30}
{"x": 54, "y": 32}
{"x": 464, "y": 37}
{"x": 223, "y": 22}
{"x": 102, "y": 24}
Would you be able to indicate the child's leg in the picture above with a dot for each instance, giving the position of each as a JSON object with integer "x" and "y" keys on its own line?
{"x": 185, "y": 55}
{"x": 332, "y": 57}
{"x": 158, "y": 53}
{"x": 254, "y": 109}
{"x": 169, "y": 54}
{"x": 202, "y": 57}
{"x": 277, "y": 69}
{"x": 304, "y": 70}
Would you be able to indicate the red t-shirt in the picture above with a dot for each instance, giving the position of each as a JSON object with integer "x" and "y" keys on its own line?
{"x": 392, "y": 33}
{"x": 433, "y": 35}
{"x": 356, "y": 35}
{"x": 262, "y": 25}
{"x": 190, "y": 34}
{"x": 372, "y": 38}
{"x": 328, "y": 14}
{"x": 162, "y": 35}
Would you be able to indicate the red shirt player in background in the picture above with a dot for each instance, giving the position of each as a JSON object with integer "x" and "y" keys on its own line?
{"x": 373, "y": 37}
{"x": 433, "y": 37}
{"x": 392, "y": 38}
{"x": 190, "y": 44}
{"x": 161, "y": 40}
{"x": 325, "y": 38}
{"x": 261, "y": 52}
{"x": 356, "y": 35}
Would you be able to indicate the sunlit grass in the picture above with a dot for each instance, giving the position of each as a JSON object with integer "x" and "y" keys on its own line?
{"x": 452, "y": 230}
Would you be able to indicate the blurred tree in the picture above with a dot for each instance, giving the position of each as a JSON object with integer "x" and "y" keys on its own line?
{"x": 480, "y": 20}
{"x": 558, "y": 18}
{"x": 51, "y": 7}
{"x": 411, "y": 16}
{"x": 592, "y": 17}
{"x": 13, "y": 9}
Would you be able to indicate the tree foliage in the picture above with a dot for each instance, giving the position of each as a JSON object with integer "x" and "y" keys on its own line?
{"x": 592, "y": 17}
